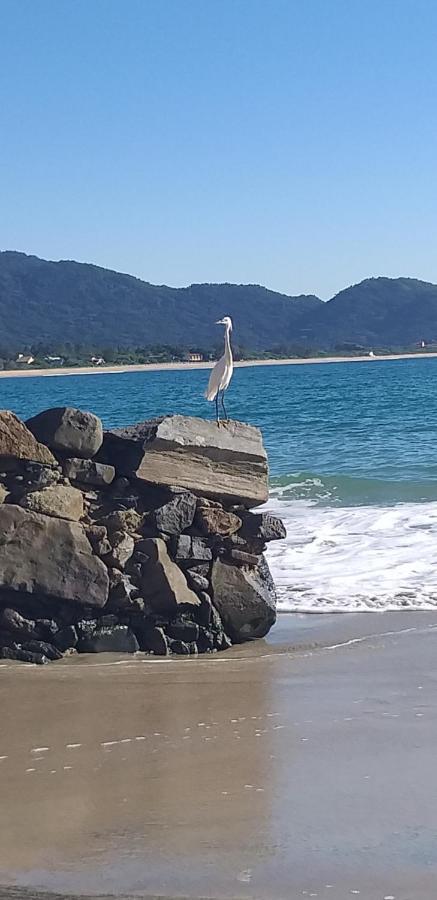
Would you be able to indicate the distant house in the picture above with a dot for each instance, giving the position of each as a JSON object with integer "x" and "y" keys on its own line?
{"x": 97, "y": 361}
{"x": 24, "y": 360}
{"x": 195, "y": 357}
{"x": 57, "y": 359}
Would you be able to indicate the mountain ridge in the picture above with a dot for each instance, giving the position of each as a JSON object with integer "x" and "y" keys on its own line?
{"x": 50, "y": 302}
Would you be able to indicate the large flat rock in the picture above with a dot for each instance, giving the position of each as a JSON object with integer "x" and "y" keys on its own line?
{"x": 50, "y": 557}
{"x": 227, "y": 463}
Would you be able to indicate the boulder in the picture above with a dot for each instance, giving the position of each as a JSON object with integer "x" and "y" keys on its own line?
{"x": 52, "y": 557}
{"x": 245, "y": 599}
{"x": 215, "y": 520}
{"x": 68, "y": 431}
{"x": 176, "y": 515}
{"x": 3, "y": 493}
{"x": 60, "y": 500}
{"x": 86, "y": 471}
{"x": 163, "y": 582}
{"x": 18, "y": 442}
{"x": 227, "y": 463}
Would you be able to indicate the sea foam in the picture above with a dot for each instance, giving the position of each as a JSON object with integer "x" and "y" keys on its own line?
{"x": 362, "y": 558}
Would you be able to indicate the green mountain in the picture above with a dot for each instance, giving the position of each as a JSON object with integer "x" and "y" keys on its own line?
{"x": 58, "y": 302}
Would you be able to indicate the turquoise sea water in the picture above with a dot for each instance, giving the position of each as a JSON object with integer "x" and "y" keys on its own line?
{"x": 353, "y": 460}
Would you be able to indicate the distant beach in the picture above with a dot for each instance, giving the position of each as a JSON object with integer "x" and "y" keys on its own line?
{"x": 177, "y": 366}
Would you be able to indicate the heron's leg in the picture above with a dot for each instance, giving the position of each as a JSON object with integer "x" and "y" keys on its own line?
{"x": 224, "y": 407}
{"x": 217, "y": 415}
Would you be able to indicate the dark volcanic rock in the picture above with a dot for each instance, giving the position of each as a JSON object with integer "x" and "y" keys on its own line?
{"x": 183, "y": 629}
{"x": 43, "y": 648}
{"x": 153, "y": 640}
{"x": 66, "y": 638}
{"x": 179, "y": 647}
{"x": 17, "y": 441}
{"x": 222, "y": 463}
{"x": 176, "y": 515}
{"x": 118, "y": 639}
{"x": 23, "y": 655}
{"x": 68, "y": 431}
{"x": 245, "y": 599}
{"x": 189, "y": 551}
{"x": 51, "y": 557}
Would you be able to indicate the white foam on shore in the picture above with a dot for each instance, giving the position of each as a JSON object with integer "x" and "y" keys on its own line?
{"x": 363, "y": 558}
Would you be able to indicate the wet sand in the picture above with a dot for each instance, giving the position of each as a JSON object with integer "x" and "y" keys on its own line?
{"x": 177, "y": 366}
{"x": 299, "y": 766}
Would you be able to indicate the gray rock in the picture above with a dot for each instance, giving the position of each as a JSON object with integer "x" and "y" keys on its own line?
{"x": 163, "y": 582}
{"x": 86, "y": 471}
{"x": 263, "y": 526}
{"x": 176, "y": 515}
{"x": 68, "y": 431}
{"x": 245, "y": 599}
{"x": 18, "y": 442}
{"x": 61, "y": 501}
{"x": 220, "y": 463}
{"x": 189, "y": 550}
{"x": 3, "y": 493}
{"x": 122, "y": 548}
{"x": 116, "y": 639}
{"x": 51, "y": 557}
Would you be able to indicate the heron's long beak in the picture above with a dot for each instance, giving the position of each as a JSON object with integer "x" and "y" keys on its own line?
{"x": 220, "y": 322}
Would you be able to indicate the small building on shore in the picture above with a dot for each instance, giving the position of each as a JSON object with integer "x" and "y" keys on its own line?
{"x": 24, "y": 359}
{"x": 194, "y": 357}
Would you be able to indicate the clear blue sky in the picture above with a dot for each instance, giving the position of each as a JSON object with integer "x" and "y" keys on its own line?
{"x": 287, "y": 142}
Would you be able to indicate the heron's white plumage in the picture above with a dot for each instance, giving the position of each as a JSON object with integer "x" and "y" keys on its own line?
{"x": 223, "y": 369}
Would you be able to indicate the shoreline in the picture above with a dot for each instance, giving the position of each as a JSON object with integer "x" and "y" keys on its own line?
{"x": 270, "y": 727}
{"x": 180, "y": 366}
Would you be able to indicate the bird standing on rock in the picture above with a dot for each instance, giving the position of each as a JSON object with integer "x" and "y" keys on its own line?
{"x": 222, "y": 372}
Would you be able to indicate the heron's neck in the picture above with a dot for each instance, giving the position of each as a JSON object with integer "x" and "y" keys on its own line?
{"x": 228, "y": 349}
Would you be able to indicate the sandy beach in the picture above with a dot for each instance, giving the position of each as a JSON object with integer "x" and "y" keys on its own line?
{"x": 179, "y": 366}
{"x": 299, "y": 766}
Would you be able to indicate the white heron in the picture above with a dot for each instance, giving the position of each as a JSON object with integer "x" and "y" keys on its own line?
{"x": 222, "y": 371}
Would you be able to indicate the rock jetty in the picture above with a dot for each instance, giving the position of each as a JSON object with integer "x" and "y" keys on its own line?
{"x": 135, "y": 539}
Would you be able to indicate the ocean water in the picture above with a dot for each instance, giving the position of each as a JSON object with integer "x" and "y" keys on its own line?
{"x": 353, "y": 465}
